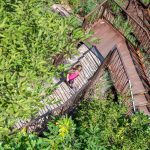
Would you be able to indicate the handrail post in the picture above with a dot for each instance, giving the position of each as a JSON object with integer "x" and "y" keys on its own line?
{"x": 98, "y": 7}
{"x": 104, "y": 8}
{"x": 130, "y": 86}
{"x": 84, "y": 23}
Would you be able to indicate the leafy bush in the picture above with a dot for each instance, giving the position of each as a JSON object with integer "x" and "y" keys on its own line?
{"x": 31, "y": 36}
{"x": 124, "y": 26}
{"x": 60, "y": 135}
{"x": 98, "y": 124}
{"x": 83, "y": 7}
{"x": 121, "y": 22}
{"x": 102, "y": 124}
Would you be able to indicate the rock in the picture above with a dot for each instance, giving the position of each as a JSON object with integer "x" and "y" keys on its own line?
{"x": 63, "y": 10}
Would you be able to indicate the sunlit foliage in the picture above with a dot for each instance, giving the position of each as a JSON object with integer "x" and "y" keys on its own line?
{"x": 30, "y": 38}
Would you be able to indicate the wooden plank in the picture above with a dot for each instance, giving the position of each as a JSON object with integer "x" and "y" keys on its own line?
{"x": 110, "y": 37}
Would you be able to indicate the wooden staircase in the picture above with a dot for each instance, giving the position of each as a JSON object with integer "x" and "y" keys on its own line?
{"x": 110, "y": 38}
{"x": 113, "y": 51}
{"x": 63, "y": 97}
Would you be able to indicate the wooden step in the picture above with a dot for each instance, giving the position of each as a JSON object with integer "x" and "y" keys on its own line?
{"x": 111, "y": 37}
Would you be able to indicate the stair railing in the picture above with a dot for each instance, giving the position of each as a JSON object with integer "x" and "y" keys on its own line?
{"x": 64, "y": 102}
{"x": 121, "y": 80}
{"x": 132, "y": 97}
{"x": 103, "y": 11}
{"x": 141, "y": 20}
{"x": 94, "y": 15}
{"x": 140, "y": 68}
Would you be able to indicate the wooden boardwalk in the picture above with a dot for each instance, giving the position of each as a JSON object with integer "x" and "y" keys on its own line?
{"x": 63, "y": 97}
{"x": 121, "y": 59}
{"x": 109, "y": 38}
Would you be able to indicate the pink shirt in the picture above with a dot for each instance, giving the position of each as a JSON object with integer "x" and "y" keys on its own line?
{"x": 73, "y": 75}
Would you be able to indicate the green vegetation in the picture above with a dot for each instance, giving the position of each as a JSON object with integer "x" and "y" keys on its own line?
{"x": 146, "y": 2}
{"x": 98, "y": 124}
{"x": 60, "y": 135}
{"x": 31, "y": 37}
{"x": 103, "y": 125}
{"x": 83, "y": 7}
{"x": 124, "y": 26}
{"x": 121, "y": 22}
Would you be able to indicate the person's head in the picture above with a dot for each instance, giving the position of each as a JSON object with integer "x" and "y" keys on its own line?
{"x": 78, "y": 67}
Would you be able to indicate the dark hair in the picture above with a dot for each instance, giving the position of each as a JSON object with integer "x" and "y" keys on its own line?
{"x": 78, "y": 67}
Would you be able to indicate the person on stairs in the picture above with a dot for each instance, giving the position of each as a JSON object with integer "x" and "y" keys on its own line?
{"x": 73, "y": 74}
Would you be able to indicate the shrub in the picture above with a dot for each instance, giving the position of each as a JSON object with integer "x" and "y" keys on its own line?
{"x": 31, "y": 36}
